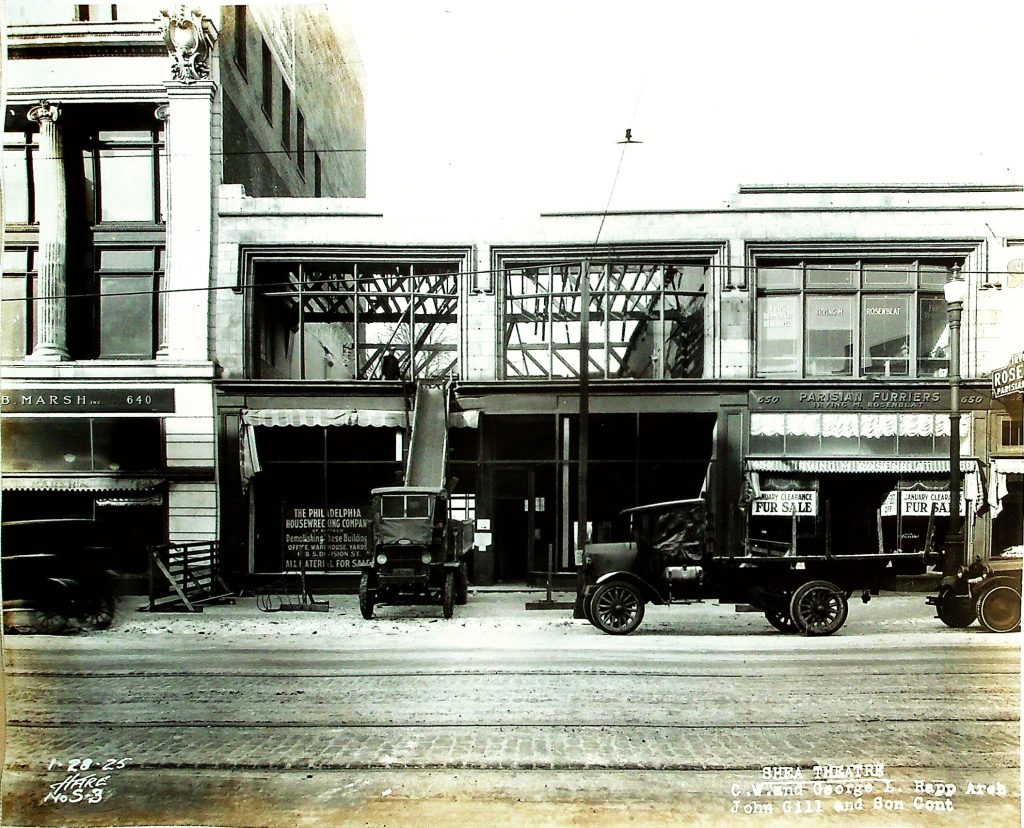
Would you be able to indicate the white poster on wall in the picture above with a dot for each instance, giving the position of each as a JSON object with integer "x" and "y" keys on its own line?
{"x": 785, "y": 504}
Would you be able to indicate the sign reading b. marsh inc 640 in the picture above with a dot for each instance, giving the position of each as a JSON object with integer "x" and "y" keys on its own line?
{"x": 1009, "y": 380}
{"x": 325, "y": 539}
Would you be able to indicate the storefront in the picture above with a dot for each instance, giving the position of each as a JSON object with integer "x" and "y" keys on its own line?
{"x": 308, "y": 459}
{"x": 137, "y": 460}
{"x": 860, "y": 470}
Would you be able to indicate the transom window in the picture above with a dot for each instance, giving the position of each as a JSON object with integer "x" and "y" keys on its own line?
{"x": 646, "y": 319}
{"x": 356, "y": 319}
{"x": 852, "y": 318}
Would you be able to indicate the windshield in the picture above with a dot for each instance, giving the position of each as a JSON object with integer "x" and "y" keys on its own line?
{"x": 405, "y": 506}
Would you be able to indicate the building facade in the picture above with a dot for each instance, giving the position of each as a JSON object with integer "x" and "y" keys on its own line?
{"x": 792, "y": 347}
{"x": 119, "y": 126}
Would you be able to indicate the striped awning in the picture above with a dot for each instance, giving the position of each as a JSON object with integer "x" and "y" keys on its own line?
{"x": 275, "y": 417}
{"x": 372, "y": 417}
{"x": 858, "y": 465}
{"x": 78, "y": 483}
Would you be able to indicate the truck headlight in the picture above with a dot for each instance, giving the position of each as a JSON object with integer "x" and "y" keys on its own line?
{"x": 425, "y": 557}
{"x": 382, "y": 559}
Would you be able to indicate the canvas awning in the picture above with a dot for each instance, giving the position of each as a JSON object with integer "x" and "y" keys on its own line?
{"x": 78, "y": 483}
{"x": 856, "y": 465}
{"x": 997, "y": 488}
{"x": 249, "y": 462}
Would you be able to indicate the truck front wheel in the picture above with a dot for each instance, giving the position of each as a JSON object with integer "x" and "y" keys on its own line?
{"x": 955, "y": 611}
{"x": 448, "y": 595}
{"x": 366, "y": 597}
{"x": 617, "y": 607}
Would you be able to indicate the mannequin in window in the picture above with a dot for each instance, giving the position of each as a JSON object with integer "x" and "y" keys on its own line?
{"x": 390, "y": 367}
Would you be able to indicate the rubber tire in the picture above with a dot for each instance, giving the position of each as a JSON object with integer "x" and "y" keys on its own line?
{"x": 998, "y": 605}
{"x": 461, "y": 587}
{"x": 366, "y": 597}
{"x": 782, "y": 621}
{"x": 448, "y": 595}
{"x": 101, "y": 614}
{"x": 809, "y": 600}
{"x": 955, "y": 612}
{"x": 588, "y": 610}
{"x": 617, "y": 607}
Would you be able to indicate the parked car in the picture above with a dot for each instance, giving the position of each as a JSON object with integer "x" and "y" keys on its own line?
{"x": 53, "y": 575}
{"x": 418, "y": 554}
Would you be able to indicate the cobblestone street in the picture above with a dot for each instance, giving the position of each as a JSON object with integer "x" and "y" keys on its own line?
{"x": 503, "y": 716}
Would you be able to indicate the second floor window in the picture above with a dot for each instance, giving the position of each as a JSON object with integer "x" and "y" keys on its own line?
{"x": 646, "y": 319}
{"x": 355, "y": 319}
{"x": 852, "y": 318}
{"x": 286, "y": 118}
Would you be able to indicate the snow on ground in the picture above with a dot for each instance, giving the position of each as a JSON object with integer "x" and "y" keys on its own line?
{"x": 499, "y": 619}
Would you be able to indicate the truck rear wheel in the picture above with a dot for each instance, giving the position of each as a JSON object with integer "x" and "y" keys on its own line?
{"x": 818, "y": 608}
{"x": 782, "y": 621}
{"x": 955, "y": 611}
{"x": 998, "y": 605}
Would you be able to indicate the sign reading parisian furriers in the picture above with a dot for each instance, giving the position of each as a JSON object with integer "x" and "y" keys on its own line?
{"x": 1009, "y": 380}
{"x": 785, "y": 504}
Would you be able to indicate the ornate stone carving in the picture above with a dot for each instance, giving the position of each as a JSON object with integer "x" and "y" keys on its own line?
{"x": 189, "y": 42}
{"x": 44, "y": 111}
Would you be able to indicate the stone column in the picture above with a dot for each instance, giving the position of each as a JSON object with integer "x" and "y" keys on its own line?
{"x": 190, "y": 219}
{"x": 163, "y": 113}
{"x": 51, "y": 336}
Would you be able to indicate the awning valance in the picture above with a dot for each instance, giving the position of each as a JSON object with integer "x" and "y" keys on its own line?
{"x": 82, "y": 483}
{"x": 1008, "y": 465}
{"x": 858, "y": 465}
{"x": 849, "y": 425}
{"x": 274, "y": 417}
{"x": 156, "y": 499}
{"x": 372, "y": 417}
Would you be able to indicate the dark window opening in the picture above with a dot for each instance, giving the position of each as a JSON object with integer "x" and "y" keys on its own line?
{"x": 286, "y": 117}
{"x": 268, "y": 82}
{"x": 240, "y": 38}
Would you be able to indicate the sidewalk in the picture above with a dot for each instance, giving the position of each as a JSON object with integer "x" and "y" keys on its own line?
{"x": 499, "y": 618}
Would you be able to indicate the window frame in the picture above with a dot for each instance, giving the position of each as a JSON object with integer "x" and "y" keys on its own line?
{"x": 286, "y": 118}
{"x": 267, "y": 81}
{"x": 610, "y": 306}
{"x": 240, "y": 41}
{"x": 801, "y": 290}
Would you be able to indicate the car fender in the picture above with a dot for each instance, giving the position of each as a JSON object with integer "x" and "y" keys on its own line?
{"x": 646, "y": 589}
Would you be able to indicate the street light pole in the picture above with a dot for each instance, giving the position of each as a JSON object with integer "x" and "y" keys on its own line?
{"x": 955, "y": 291}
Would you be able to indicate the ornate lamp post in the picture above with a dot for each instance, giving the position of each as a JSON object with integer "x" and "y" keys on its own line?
{"x": 955, "y": 290}
{"x": 954, "y": 609}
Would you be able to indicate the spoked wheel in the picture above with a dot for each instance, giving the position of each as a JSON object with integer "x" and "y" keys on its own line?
{"x": 818, "y": 608}
{"x": 955, "y": 611}
{"x": 617, "y": 608}
{"x": 782, "y": 621}
{"x": 448, "y": 595}
{"x": 49, "y": 621}
{"x": 100, "y": 614}
{"x": 998, "y": 605}
{"x": 366, "y": 597}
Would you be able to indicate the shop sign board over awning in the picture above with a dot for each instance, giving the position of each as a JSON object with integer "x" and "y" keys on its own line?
{"x": 785, "y": 504}
{"x": 87, "y": 400}
{"x": 1009, "y": 379}
{"x": 860, "y": 399}
{"x": 855, "y": 465}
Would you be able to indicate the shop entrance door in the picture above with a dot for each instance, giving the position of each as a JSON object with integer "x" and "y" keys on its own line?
{"x": 523, "y": 524}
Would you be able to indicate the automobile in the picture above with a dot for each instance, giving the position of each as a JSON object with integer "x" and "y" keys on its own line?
{"x": 671, "y": 558}
{"x": 418, "y": 555}
{"x": 53, "y": 576}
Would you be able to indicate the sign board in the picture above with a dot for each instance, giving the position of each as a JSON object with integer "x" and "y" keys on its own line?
{"x": 866, "y": 400}
{"x": 919, "y": 504}
{"x": 785, "y": 504}
{"x": 331, "y": 539}
{"x": 1009, "y": 380}
{"x": 86, "y": 400}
